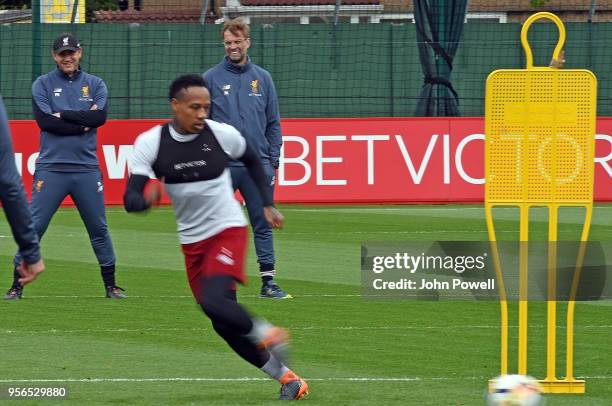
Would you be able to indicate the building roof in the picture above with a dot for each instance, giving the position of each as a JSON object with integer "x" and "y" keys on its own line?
{"x": 524, "y": 5}
{"x": 15, "y": 16}
{"x": 132, "y": 16}
{"x": 188, "y": 13}
{"x": 474, "y": 5}
{"x": 304, "y": 2}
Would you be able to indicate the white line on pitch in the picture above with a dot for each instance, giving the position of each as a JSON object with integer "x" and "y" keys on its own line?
{"x": 179, "y": 296}
{"x": 400, "y": 232}
{"x": 194, "y": 379}
{"x": 245, "y": 379}
{"x": 253, "y": 379}
{"x": 402, "y": 208}
{"x": 239, "y": 297}
{"x": 406, "y": 208}
{"x": 172, "y": 329}
{"x": 302, "y": 328}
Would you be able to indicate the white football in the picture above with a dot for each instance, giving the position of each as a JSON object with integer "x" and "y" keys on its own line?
{"x": 515, "y": 390}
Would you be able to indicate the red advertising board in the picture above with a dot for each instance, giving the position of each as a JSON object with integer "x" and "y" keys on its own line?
{"x": 356, "y": 160}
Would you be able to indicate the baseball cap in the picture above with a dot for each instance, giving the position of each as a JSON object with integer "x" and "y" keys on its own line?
{"x": 66, "y": 42}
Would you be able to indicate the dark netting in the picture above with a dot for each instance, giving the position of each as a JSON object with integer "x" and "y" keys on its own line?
{"x": 328, "y": 58}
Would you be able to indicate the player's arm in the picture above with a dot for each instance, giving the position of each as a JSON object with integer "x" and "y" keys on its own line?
{"x": 94, "y": 117}
{"x": 236, "y": 147}
{"x": 273, "y": 128}
{"x": 135, "y": 199}
{"x": 13, "y": 197}
{"x": 87, "y": 118}
{"x": 559, "y": 62}
{"x": 144, "y": 153}
{"x": 256, "y": 171}
{"x": 29, "y": 272}
{"x": 55, "y": 125}
{"x": 208, "y": 81}
{"x": 43, "y": 114}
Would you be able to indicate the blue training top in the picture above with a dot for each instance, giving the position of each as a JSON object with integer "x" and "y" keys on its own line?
{"x": 244, "y": 96}
{"x": 69, "y": 142}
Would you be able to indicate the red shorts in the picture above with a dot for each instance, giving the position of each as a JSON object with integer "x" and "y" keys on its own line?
{"x": 220, "y": 255}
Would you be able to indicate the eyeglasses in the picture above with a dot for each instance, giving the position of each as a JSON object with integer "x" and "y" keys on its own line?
{"x": 237, "y": 43}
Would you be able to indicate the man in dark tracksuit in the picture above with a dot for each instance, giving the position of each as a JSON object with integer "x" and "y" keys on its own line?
{"x": 69, "y": 105}
{"x": 15, "y": 205}
{"x": 243, "y": 95}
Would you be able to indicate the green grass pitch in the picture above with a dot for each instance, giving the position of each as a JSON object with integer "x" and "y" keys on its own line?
{"x": 157, "y": 348}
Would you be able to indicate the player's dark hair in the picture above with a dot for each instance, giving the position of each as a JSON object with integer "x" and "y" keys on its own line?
{"x": 184, "y": 82}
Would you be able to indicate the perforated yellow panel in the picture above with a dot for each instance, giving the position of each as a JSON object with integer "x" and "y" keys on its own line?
{"x": 539, "y": 148}
{"x": 540, "y": 134}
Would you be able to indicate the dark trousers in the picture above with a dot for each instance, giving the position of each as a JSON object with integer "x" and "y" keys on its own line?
{"x": 229, "y": 319}
{"x": 86, "y": 190}
{"x": 262, "y": 233}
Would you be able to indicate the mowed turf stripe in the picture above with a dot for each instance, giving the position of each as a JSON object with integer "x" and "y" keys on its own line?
{"x": 336, "y": 333}
{"x": 259, "y": 379}
{"x": 197, "y": 379}
{"x": 301, "y": 328}
{"x": 179, "y": 296}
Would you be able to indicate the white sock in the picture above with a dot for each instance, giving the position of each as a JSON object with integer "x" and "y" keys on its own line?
{"x": 274, "y": 368}
{"x": 259, "y": 331}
